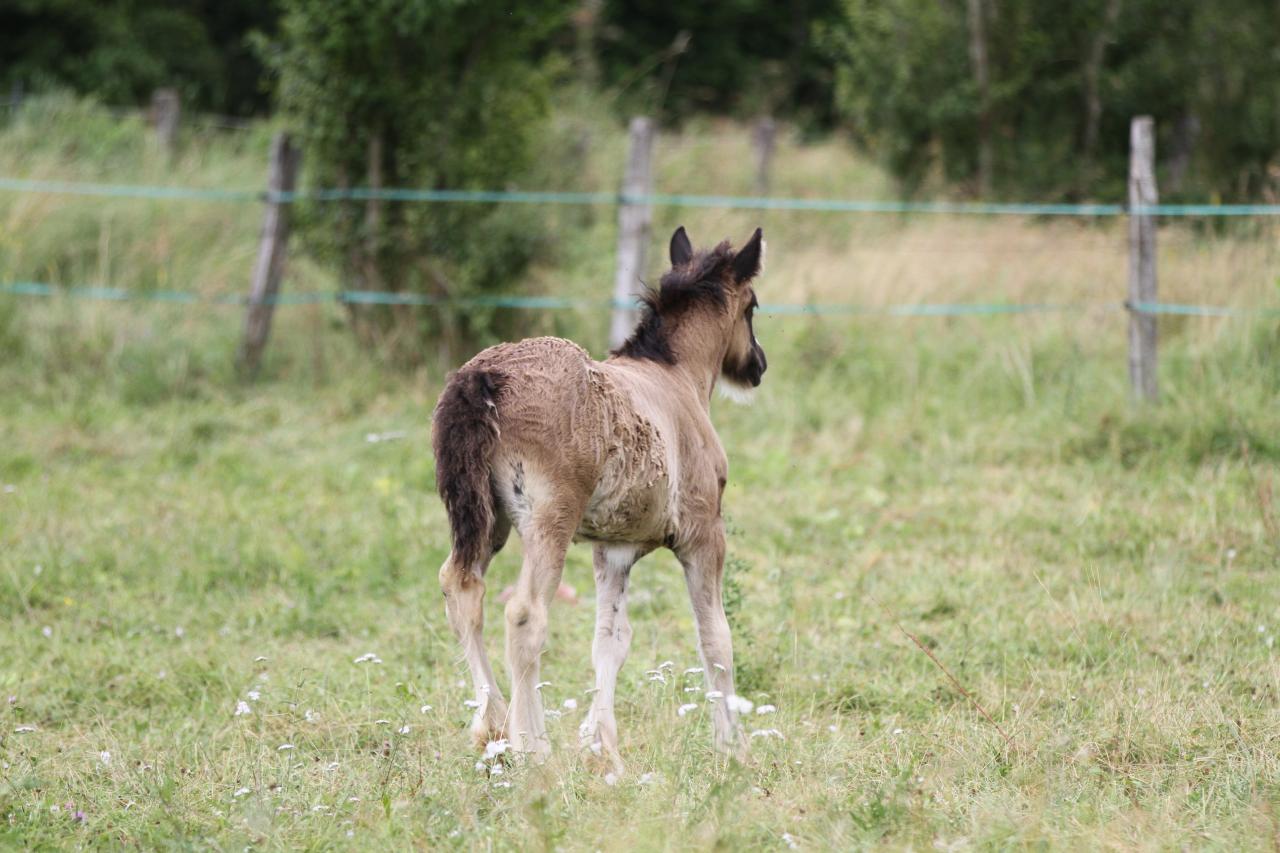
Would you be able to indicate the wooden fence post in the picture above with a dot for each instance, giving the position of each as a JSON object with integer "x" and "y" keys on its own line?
{"x": 166, "y": 109}
{"x": 763, "y": 136}
{"x": 1142, "y": 260}
{"x": 282, "y": 176}
{"x": 634, "y": 221}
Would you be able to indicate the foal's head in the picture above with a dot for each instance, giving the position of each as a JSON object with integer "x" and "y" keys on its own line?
{"x": 705, "y": 303}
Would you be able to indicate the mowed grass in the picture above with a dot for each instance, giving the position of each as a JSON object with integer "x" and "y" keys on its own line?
{"x": 1100, "y": 578}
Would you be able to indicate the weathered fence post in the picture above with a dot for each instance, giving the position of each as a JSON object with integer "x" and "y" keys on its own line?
{"x": 763, "y": 136}
{"x": 1142, "y": 260}
{"x": 166, "y": 109}
{"x": 634, "y": 221}
{"x": 282, "y": 176}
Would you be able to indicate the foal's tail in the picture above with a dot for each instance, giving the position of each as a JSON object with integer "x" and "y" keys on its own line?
{"x": 464, "y": 435}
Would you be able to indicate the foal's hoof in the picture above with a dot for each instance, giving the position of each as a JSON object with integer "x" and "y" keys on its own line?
{"x": 485, "y": 732}
{"x": 536, "y": 749}
{"x": 484, "y": 735}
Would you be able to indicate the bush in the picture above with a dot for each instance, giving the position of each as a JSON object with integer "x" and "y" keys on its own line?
{"x": 429, "y": 94}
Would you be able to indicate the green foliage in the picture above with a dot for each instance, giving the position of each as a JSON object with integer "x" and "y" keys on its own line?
{"x": 907, "y": 87}
{"x": 747, "y": 57}
{"x": 121, "y": 50}
{"x": 430, "y": 93}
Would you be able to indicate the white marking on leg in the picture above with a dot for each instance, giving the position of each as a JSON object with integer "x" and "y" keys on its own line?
{"x": 611, "y": 643}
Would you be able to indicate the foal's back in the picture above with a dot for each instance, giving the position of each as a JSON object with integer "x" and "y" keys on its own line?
{"x": 576, "y": 436}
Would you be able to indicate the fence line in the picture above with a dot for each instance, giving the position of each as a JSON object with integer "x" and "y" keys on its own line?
{"x": 727, "y": 202}
{"x": 635, "y": 200}
{"x": 376, "y": 297}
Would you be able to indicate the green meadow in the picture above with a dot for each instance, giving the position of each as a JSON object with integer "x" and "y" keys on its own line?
{"x": 223, "y": 628}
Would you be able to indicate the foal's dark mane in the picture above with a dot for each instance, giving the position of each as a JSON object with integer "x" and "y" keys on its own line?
{"x": 700, "y": 281}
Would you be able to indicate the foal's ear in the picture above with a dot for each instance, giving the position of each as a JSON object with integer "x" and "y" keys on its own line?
{"x": 750, "y": 258}
{"x": 681, "y": 248}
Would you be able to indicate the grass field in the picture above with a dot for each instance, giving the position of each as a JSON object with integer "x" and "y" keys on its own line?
{"x": 1101, "y": 578}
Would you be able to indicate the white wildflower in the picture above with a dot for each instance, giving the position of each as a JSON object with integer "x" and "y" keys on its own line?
{"x": 240, "y": 792}
{"x": 541, "y": 684}
{"x": 503, "y": 784}
{"x": 767, "y": 733}
{"x": 368, "y": 657}
{"x": 242, "y": 708}
{"x": 790, "y": 840}
{"x": 611, "y": 778}
{"x": 596, "y": 748}
{"x": 645, "y": 779}
{"x": 254, "y": 695}
{"x": 284, "y": 747}
{"x": 310, "y": 716}
{"x": 105, "y": 758}
{"x": 425, "y": 709}
{"x": 765, "y": 709}
{"x": 47, "y": 631}
{"x": 739, "y": 704}
{"x": 656, "y": 675}
{"x": 694, "y": 670}
{"x": 260, "y": 659}
{"x": 24, "y": 729}
{"x": 552, "y": 714}
{"x": 332, "y": 765}
{"x": 570, "y": 704}
{"x": 382, "y": 722}
{"x": 667, "y": 664}
{"x": 713, "y": 695}
{"x": 471, "y": 703}
{"x": 494, "y": 748}
{"x": 404, "y": 730}
{"x": 897, "y": 731}
{"x": 684, "y": 709}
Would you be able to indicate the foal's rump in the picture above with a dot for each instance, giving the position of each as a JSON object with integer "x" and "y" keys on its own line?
{"x": 535, "y": 424}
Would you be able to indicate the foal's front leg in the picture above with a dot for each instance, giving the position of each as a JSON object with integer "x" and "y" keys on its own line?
{"x": 612, "y": 642}
{"x": 703, "y": 561}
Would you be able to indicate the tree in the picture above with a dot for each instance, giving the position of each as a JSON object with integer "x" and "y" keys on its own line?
{"x": 444, "y": 94}
{"x": 1061, "y": 82}
{"x": 121, "y": 50}
{"x": 674, "y": 59}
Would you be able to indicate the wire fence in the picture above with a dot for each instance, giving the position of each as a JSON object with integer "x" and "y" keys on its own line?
{"x": 379, "y": 297}
{"x": 723, "y": 202}
{"x": 512, "y": 301}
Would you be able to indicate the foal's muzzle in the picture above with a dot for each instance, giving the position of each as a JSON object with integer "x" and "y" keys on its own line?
{"x": 759, "y": 364}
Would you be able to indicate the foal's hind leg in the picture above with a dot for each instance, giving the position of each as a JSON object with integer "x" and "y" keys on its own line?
{"x": 464, "y": 605}
{"x": 546, "y": 540}
{"x": 612, "y": 642}
{"x": 703, "y": 561}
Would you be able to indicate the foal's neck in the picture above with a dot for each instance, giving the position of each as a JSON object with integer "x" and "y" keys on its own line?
{"x": 699, "y": 349}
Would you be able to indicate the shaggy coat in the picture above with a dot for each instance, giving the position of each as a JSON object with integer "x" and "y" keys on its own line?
{"x": 622, "y": 453}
